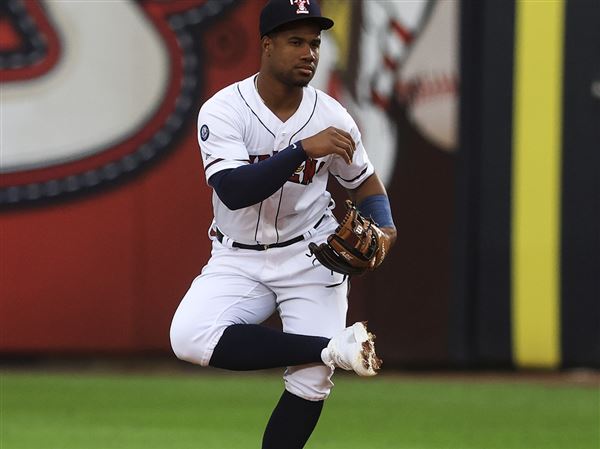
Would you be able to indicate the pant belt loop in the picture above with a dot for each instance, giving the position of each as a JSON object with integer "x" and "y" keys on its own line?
{"x": 227, "y": 242}
{"x": 308, "y": 234}
{"x": 212, "y": 231}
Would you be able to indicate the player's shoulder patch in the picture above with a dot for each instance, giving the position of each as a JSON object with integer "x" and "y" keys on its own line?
{"x": 204, "y": 133}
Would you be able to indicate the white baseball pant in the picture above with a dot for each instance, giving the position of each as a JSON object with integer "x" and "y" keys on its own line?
{"x": 239, "y": 286}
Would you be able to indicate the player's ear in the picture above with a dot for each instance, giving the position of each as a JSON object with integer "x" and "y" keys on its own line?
{"x": 266, "y": 44}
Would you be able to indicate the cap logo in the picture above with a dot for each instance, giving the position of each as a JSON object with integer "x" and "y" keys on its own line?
{"x": 301, "y": 4}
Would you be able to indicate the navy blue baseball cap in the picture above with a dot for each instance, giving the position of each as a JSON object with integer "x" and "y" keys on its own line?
{"x": 279, "y": 12}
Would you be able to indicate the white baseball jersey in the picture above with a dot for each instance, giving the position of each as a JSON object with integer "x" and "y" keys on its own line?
{"x": 236, "y": 128}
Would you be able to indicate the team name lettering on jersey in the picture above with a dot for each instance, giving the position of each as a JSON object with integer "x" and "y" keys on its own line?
{"x": 304, "y": 173}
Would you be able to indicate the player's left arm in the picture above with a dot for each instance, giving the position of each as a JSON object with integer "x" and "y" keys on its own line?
{"x": 364, "y": 187}
{"x": 372, "y": 201}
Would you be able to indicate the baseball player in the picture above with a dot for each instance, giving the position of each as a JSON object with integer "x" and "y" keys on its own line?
{"x": 268, "y": 145}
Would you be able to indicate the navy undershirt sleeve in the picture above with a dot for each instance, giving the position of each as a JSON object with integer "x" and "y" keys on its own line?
{"x": 250, "y": 184}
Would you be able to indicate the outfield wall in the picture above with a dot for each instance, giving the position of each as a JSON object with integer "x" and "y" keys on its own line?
{"x": 104, "y": 208}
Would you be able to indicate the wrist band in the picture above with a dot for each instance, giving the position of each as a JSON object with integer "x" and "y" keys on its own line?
{"x": 377, "y": 207}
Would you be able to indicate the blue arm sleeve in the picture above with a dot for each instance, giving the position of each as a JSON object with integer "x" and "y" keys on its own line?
{"x": 250, "y": 184}
{"x": 377, "y": 207}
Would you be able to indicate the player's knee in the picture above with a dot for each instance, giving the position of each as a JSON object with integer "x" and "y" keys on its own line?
{"x": 311, "y": 382}
{"x": 191, "y": 342}
{"x": 183, "y": 345}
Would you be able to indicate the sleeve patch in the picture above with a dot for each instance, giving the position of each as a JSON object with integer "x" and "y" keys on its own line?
{"x": 204, "y": 133}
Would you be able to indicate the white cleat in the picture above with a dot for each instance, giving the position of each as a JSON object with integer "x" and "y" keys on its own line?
{"x": 353, "y": 349}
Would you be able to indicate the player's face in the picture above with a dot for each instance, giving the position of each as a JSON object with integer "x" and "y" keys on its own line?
{"x": 294, "y": 54}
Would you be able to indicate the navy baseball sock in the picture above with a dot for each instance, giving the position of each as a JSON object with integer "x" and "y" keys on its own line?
{"x": 291, "y": 423}
{"x": 245, "y": 347}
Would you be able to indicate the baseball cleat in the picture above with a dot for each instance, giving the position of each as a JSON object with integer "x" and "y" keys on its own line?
{"x": 353, "y": 349}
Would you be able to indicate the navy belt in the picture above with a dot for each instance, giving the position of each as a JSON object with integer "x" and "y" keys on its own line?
{"x": 259, "y": 247}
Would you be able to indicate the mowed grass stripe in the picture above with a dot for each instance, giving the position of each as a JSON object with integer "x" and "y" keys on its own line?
{"x": 229, "y": 412}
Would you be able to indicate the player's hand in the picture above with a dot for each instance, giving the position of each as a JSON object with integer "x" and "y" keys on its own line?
{"x": 391, "y": 234}
{"x": 330, "y": 141}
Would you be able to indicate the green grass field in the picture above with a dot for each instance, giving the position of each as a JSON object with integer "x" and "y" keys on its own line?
{"x": 88, "y": 411}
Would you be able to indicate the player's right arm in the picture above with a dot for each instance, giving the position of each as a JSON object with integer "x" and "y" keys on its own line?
{"x": 250, "y": 184}
{"x": 240, "y": 184}
{"x": 228, "y": 170}
{"x": 330, "y": 141}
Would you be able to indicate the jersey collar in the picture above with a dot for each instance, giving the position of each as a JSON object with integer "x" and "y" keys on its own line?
{"x": 296, "y": 121}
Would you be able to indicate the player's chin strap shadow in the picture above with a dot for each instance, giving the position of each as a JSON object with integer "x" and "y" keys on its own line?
{"x": 315, "y": 260}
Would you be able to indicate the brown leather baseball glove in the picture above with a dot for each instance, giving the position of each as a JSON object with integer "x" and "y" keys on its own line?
{"x": 357, "y": 245}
